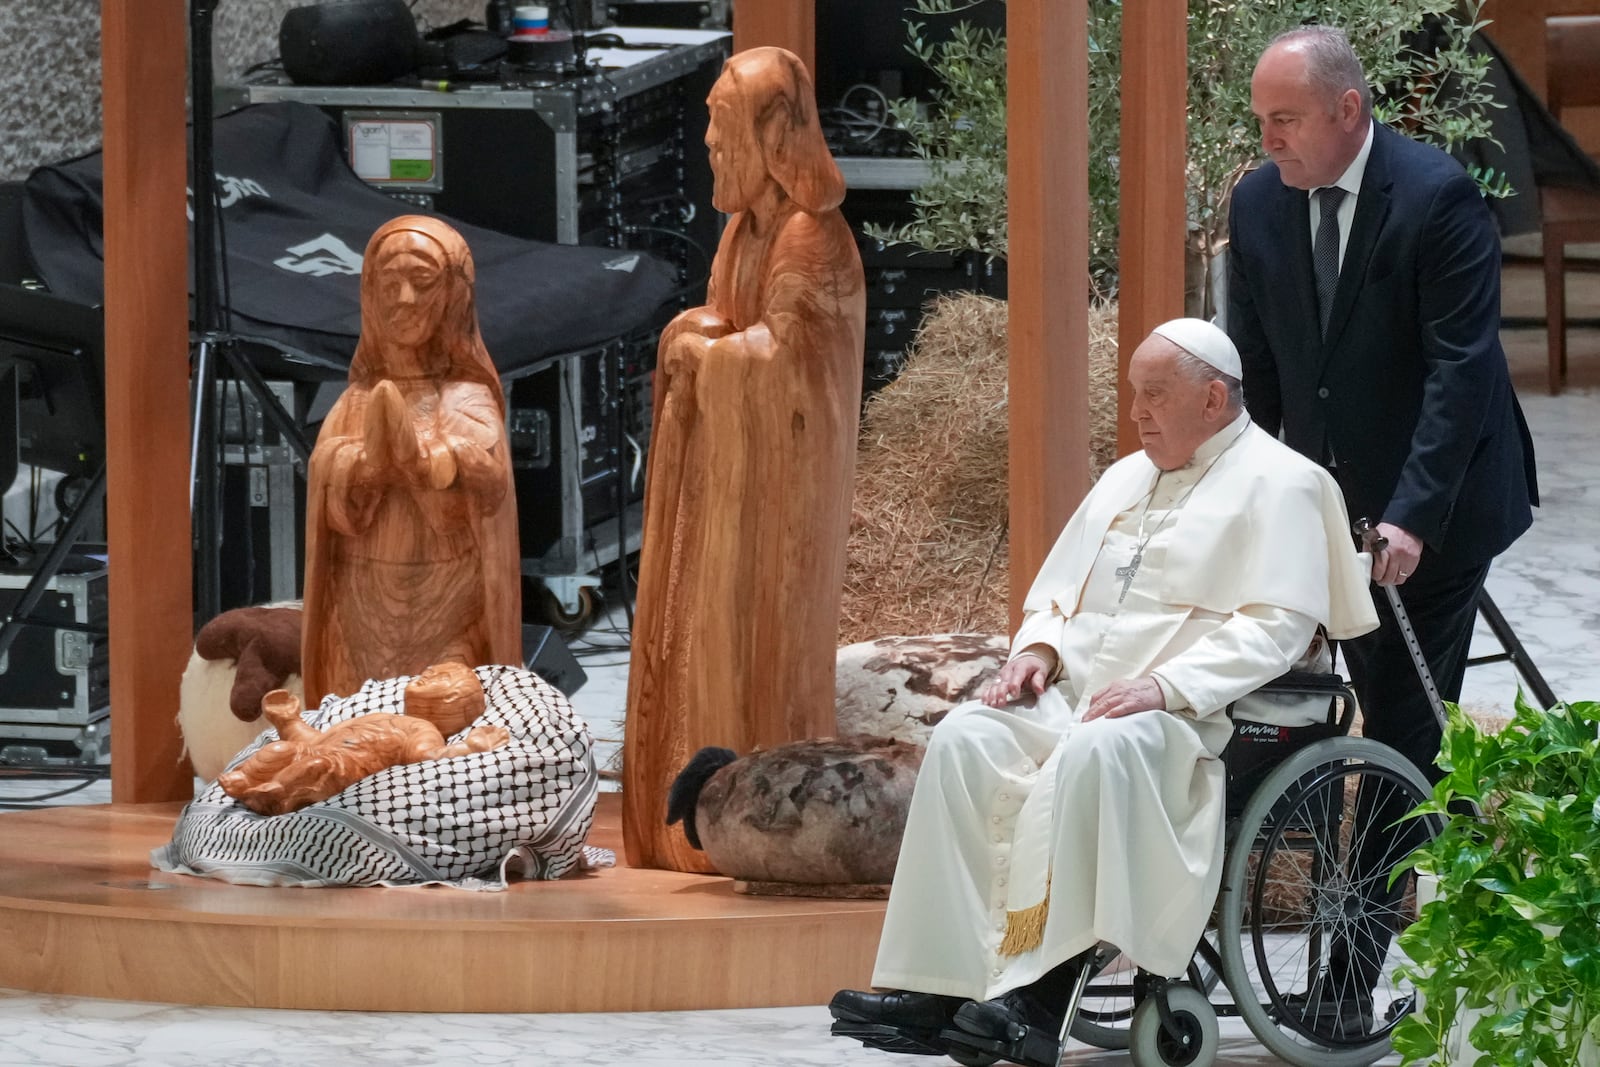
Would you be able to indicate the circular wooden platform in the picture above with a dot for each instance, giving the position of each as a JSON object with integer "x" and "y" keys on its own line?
{"x": 83, "y": 913}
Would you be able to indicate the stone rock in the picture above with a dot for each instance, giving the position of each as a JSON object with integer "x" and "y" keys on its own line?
{"x": 902, "y": 686}
{"x": 826, "y": 811}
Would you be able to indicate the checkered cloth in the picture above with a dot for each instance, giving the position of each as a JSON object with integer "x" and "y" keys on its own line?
{"x": 459, "y": 821}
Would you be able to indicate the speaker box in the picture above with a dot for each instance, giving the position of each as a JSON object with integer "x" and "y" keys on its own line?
{"x": 549, "y": 657}
{"x": 348, "y": 42}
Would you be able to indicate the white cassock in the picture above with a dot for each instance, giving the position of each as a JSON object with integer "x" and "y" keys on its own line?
{"x": 1030, "y": 823}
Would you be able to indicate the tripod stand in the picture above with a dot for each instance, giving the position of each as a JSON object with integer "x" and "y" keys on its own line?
{"x": 212, "y": 338}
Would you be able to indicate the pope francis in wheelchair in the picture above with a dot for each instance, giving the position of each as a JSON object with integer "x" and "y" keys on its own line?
{"x": 1076, "y": 813}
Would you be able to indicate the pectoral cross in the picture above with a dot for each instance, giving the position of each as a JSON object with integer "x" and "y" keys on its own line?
{"x": 1127, "y": 573}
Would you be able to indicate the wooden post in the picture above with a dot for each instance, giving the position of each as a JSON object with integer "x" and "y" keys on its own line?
{"x": 1047, "y": 138}
{"x": 790, "y": 24}
{"x": 1517, "y": 26}
{"x": 1151, "y": 212}
{"x": 143, "y": 47}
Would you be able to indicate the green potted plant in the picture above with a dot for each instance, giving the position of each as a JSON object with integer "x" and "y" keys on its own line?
{"x": 1506, "y": 955}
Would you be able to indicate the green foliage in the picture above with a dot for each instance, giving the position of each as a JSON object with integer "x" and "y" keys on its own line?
{"x": 1428, "y": 84}
{"x": 962, "y": 136}
{"x": 1426, "y": 81}
{"x": 1516, "y": 926}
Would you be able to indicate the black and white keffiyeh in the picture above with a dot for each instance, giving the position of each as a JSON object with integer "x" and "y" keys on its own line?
{"x": 458, "y": 821}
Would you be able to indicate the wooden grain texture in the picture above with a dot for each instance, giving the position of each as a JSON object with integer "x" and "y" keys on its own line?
{"x": 81, "y": 913}
{"x": 1152, "y": 220}
{"x": 1517, "y": 27}
{"x": 411, "y": 521}
{"x": 143, "y": 44}
{"x": 307, "y": 764}
{"x": 1048, "y": 141}
{"x": 752, "y": 453}
{"x": 789, "y": 24}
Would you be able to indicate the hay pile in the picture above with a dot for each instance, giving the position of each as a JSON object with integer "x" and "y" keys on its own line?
{"x": 928, "y": 547}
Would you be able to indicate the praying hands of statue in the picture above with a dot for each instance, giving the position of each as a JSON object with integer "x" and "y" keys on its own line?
{"x": 399, "y": 441}
{"x": 1026, "y": 673}
{"x": 1126, "y": 698}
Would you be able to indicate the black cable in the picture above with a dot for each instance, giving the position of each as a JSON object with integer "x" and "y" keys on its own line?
{"x": 226, "y": 306}
{"x": 618, "y": 403}
{"x": 705, "y": 256}
{"x": 275, "y": 63}
{"x": 89, "y": 776}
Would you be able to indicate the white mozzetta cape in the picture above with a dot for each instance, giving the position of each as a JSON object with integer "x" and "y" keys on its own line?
{"x": 1265, "y": 526}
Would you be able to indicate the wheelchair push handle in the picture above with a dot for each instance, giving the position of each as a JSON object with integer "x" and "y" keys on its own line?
{"x": 1367, "y": 536}
{"x": 1372, "y": 541}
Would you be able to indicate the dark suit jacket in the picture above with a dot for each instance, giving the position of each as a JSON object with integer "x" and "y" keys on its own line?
{"x": 1409, "y": 390}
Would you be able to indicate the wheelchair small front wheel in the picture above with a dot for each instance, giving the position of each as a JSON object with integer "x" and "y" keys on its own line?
{"x": 1106, "y": 1010}
{"x": 1192, "y": 1039}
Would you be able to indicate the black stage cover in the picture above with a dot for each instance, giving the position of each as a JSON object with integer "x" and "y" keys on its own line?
{"x": 297, "y": 220}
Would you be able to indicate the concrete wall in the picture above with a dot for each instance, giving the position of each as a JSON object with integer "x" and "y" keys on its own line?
{"x": 50, "y": 67}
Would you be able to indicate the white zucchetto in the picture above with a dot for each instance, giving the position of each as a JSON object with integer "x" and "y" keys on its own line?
{"x": 1205, "y": 342}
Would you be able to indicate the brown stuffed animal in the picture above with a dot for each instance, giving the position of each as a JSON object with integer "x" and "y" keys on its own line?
{"x": 264, "y": 644}
{"x": 239, "y": 657}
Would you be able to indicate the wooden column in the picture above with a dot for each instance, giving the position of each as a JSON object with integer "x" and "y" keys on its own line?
{"x": 1047, "y": 142}
{"x": 1517, "y": 27}
{"x": 143, "y": 45}
{"x": 790, "y": 24}
{"x": 1152, "y": 217}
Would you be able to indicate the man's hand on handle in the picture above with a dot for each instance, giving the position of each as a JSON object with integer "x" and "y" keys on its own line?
{"x": 1395, "y": 554}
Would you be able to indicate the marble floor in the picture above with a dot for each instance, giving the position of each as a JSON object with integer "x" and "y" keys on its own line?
{"x": 1548, "y": 586}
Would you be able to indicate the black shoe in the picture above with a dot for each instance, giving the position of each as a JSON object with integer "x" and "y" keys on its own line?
{"x": 1326, "y": 1015}
{"x": 1012, "y": 1027}
{"x": 897, "y": 1021}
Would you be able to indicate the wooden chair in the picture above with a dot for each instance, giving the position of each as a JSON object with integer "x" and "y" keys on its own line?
{"x": 1567, "y": 214}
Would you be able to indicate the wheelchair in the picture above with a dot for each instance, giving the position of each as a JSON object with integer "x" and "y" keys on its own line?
{"x": 1306, "y": 912}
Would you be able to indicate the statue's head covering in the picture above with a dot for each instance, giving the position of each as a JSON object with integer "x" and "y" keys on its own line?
{"x": 1204, "y": 341}
{"x": 456, "y": 341}
{"x": 781, "y": 106}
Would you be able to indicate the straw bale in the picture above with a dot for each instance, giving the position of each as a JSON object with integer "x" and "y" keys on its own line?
{"x": 928, "y": 546}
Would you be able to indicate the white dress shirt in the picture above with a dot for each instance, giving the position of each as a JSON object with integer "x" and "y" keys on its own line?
{"x": 1350, "y": 182}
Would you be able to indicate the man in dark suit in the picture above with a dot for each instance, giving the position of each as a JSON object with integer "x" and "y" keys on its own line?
{"x": 1364, "y": 298}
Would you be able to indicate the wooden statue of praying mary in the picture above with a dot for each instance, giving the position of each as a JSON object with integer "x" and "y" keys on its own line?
{"x": 411, "y": 524}
{"x": 752, "y": 455}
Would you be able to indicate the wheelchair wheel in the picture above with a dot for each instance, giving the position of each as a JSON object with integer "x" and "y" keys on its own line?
{"x": 1106, "y": 1012}
{"x": 1193, "y": 1045}
{"x": 1307, "y": 919}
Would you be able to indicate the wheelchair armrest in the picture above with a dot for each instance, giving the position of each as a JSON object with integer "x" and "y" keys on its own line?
{"x": 1313, "y": 683}
{"x": 1305, "y": 682}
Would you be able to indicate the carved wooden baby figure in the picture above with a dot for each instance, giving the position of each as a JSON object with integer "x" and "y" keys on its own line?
{"x": 306, "y": 764}
{"x": 411, "y": 539}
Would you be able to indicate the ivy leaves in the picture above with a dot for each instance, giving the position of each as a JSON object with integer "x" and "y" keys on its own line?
{"x": 1515, "y": 931}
